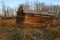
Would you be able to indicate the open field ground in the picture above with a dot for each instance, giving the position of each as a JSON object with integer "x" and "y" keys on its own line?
{"x": 8, "y": 31}
{"x": 14, "y": 33}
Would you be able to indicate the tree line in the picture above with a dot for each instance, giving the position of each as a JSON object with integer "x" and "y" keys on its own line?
{"x": 36, "y": 7}
{"x": 7, "y": 11}
{"x": 51, "y": 9}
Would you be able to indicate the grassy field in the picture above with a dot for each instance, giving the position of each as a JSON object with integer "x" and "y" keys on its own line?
{"x": 28, "y": 34}
{"x": 7, "y": 22}
{"x": 42, "y": 33}
{"x": 11, "y": 32}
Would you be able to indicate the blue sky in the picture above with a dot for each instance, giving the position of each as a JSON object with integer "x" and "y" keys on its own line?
{"x": 15, "y": 3}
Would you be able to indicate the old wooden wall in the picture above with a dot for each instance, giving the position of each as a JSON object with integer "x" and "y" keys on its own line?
{"x": 35, "y": 20}
{"x": 31, "y": 19}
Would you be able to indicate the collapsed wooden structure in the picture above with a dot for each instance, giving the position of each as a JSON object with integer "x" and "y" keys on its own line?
{"x": 34, "y": 19}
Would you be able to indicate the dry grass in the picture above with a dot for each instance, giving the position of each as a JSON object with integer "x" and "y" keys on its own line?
{"x": 38, "y": 33}
{"x": 13, "y": 33}
{"x": 7, "y": 22}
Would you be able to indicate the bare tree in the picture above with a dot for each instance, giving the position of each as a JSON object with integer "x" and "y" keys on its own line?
{"x": 4, "y": 9}
{"x": 55, "y": 9}
{"x": 40, "y": 7}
